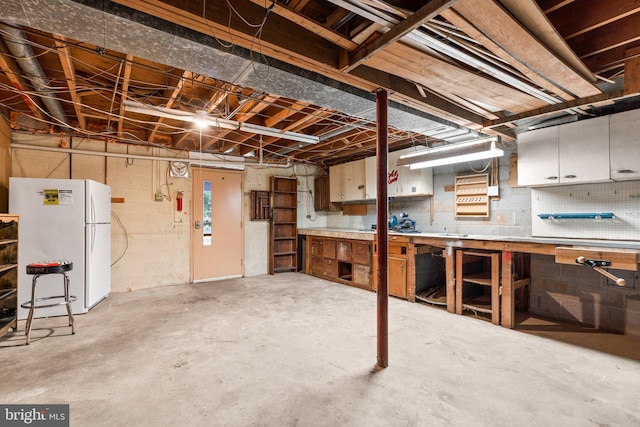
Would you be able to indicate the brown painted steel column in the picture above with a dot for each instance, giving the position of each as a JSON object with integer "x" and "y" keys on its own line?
{"x": 383, "y": 229}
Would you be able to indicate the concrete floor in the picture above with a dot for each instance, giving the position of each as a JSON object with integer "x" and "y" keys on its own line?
{"x": 293, "y": 350}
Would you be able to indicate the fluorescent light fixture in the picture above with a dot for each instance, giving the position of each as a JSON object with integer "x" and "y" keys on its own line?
{"x": 479, "y": 149}
{"x": 169, "y": 113}
{"x": 202, "y": 120}
{"x": 266, "y": 131}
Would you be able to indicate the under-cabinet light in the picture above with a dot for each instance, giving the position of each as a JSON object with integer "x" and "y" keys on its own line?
{"x": 467, "y": 151}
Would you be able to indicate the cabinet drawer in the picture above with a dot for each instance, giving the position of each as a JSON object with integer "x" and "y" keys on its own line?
{"x": 361, "y": 275}
{"x": 397, "y": 249}
{"x": 316, "y": 247}
{"x": 344, "y": 251}
{"x": 317, "y": 266}
{"x": 330, "y": 268}
{"x": 361, "y": 253}
{"x": 329, "y": 248}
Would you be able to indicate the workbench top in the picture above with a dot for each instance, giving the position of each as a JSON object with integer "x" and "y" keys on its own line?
{"x": 461, "y": 240}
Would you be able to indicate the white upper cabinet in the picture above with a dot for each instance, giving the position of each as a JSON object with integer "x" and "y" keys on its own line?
{"x": 572, "y": 153}
{"x": 584, "y": 151}
{"x": 401, "y": 181}
{"x": 538, "y": 157}
{"x": 347, "y": 182}
{"x": 624, "y": 134}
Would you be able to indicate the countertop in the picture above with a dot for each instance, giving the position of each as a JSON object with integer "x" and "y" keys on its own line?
{"x": 347, "y": 233}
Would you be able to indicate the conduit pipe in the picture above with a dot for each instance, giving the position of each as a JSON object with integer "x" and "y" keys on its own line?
{"x": 20, "y": 49}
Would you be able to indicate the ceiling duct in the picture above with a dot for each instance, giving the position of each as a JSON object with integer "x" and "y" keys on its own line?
{"x": 17, "y": 43}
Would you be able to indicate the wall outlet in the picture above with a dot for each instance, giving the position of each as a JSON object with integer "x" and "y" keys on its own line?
{"x": 492, "y": 190}
{"x": 159, "y": 197}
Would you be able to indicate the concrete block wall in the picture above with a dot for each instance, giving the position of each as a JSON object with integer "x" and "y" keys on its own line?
{"x": 508, "y": 216}
{"x": 580, "y": 294}
{"x": 158, "y": 251}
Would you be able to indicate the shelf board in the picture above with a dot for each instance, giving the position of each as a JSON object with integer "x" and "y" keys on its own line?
{"x": 6, "y": 325}
{"x": 284, "y": 253}
{"x": 285, "y": 238}
{"x": 6, "y": 267}
{"x": 6, "y": 292}
{"x": 483, "y": 278}
{"x": 8, "y": 241}
{"x": 283, "y": 269}
{"x": 481, "y": 304}
{"x": 284, "y": 207}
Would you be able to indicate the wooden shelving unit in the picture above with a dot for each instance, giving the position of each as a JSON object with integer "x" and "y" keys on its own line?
{"x": 472, "y": 196}
{"x": 8, "y": 272}
{"x": 283, "y": 245}
{"x": 489, "y": 277}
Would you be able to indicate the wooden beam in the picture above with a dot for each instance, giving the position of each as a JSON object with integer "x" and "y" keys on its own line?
{"x": 610, "y": 36}
{"x": 529, "y": 14}
{"x": 426, "y": 12}
{"x": 632, "y": 71}
{"x": 496, "y": 23}
{"x": 172, "y": 98}
{"x": 576, "y": 103}
{"x": 126, "y": 76}
{"x": 467, "y": 27}
{"x": 64, "y": 54}
{"x": 310, "y": 25}
{"x": 592, "y": 14}
{"x": 549, "y": 6}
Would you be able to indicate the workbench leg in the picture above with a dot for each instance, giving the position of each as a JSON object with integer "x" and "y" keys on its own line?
{"x": 458, "y": 282}
{"x": 508, "y": 306}
{"x": 495, "y": 288}
{"x": 450, "y": 278}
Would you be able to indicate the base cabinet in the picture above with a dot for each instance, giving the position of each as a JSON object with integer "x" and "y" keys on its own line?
{"x": 398, "y": 277}
{"x": 340, "y": 260}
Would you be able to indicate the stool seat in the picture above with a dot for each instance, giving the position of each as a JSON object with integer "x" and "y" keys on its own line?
{"x": 49, "y": 267}
{"x": 38, "y": 269}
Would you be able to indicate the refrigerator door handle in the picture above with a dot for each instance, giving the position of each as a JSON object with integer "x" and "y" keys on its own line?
{"x": 93, "y": 211}
{"x": 93, "y": 237}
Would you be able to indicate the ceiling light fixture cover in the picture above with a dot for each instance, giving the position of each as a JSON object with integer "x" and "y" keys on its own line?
{"x": 479, "y": 149}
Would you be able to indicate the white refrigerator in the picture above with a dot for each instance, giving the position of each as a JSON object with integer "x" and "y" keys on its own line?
{"x": 63, "y": 219}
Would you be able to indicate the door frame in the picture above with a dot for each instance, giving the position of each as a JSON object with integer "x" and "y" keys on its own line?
{"x": 192, "y": 220}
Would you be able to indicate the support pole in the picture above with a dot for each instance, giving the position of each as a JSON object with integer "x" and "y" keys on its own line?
{"x": 383, "y": 229}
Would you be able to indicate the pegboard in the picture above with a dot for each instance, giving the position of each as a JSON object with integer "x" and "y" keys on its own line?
{"x": 620, "y": 198}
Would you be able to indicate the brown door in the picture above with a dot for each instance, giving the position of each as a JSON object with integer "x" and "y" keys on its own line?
{"x": 217, "y": 224}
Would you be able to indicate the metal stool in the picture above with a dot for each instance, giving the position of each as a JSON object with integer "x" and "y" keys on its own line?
{"x": 39, "y": 269}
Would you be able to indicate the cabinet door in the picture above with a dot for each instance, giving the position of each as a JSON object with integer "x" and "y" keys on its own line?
{"x": 329, "y": 248}
{"x": 331, "y": 268}
{"x": 361, "y": 254}
{"x": 344, "y": 251}
{"x": 361, "y": 275}
{"x": 354, "y": 180}
{"x": 398, "y": 277}
{"x": 317, "y": 266}
{"x": 316, "y": 247}
{"x": 538, "y": 157}
{"x": 584, "y": 151}
{"x": 336, "y": 183}
{"x": 624, "y": 145}
{"x": 371, "y": 177}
